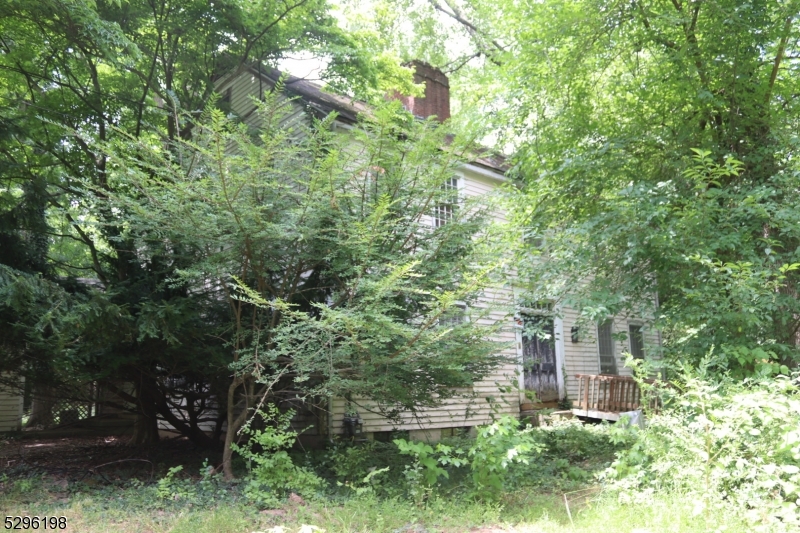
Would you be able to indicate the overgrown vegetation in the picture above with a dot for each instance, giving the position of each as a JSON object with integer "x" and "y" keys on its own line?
{"x": 718, "y": 452}
{"x": 331, "y": 282}
{"x": 271, "y": 472}
{"x": 366, "y": 514}
{"x": 145, "y": 241}
{"x": 306, "y": 258}
{"x": 79, "y": 303}
{"x": 507, "y": 475}
{"x": 655, "y": 142}
{"x": 727, "y": 440}
{"x": 724, "y": 445}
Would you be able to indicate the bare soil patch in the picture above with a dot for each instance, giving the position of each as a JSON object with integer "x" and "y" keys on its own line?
{"x": 103, "y": 459}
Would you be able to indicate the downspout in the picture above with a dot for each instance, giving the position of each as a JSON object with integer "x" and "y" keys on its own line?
{"x": 330, "y": 420}
{"x": 660, "y": 346}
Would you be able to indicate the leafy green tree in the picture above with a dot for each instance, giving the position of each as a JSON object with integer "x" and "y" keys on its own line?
{"x": 604, "y": 103}
{"x": 322, "y": 247}
{"x": 77, "y": 74}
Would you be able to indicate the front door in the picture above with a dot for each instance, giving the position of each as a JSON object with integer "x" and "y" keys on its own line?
{"x": 539, "y": 356}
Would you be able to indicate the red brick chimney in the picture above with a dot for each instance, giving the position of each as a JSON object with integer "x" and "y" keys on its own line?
{"x": 437, "y": 93}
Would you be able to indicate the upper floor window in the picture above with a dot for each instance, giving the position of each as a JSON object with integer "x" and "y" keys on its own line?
{"x": 444, "y": 211}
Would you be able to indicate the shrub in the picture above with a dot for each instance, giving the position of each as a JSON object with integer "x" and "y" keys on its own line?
{"x": 575, "y": 441}
{"x": 740, "y": 441}
{"x": 210, "y": 488}
{"x": 352, "y": 462}
{"x": 571, "y": 453}
{"x": 496, "y": 448}
{"x": 272, "y": 474}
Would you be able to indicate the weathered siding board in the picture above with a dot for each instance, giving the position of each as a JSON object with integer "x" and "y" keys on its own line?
{"x": 244, "y": 90}
{"x": 10, "y": 409}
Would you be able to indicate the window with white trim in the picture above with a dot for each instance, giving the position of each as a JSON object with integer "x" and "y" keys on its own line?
{"x": 636, "y": 340}
{"x": 605, "y": 347}
{"x": 454, "y": 316}
{"x": 444, "y": 211}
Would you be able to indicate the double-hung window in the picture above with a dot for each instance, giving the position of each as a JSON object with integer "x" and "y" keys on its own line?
{"x": 454, "y": 316}
{"x": 445, "y": 210}
{"x": 605, "y": 347}
{"x": 636, "y": 339}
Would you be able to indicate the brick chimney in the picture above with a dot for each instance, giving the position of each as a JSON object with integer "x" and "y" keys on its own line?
{"x": 437, "y": 93}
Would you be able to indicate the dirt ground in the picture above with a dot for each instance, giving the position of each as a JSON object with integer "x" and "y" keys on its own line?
{"x": 95, "y": 459}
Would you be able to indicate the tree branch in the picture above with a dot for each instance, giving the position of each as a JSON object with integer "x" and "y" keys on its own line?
{"x": 89, "y": 242}
{"x": 477, "y": 35}
{"x": 779, "y": 56}
{"x": 252, "y": 42}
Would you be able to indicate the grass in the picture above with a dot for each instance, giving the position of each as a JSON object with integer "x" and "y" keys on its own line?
{"x": 130, "y": 500}
{"x": 135, "y": 510}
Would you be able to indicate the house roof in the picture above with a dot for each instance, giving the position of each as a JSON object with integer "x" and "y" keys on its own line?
{"x": 323, "y": 103}
{"x": 491, "y": 161}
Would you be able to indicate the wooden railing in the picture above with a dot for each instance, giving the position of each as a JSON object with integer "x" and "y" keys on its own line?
{"x": 605, "y": 396}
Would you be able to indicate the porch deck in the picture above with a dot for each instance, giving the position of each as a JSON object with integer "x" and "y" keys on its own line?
{"x": 606, "y": 396}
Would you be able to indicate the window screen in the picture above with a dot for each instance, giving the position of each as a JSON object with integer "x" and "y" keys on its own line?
{"x": 605, "y": 346}
{"x": 636, "y": 341}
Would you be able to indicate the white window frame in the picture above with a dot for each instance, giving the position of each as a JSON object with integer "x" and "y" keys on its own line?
{"x": 637, "y": 324}
{"x": 609, "y": 321}
{"x": 464, "y": 315}
{"x": 448, "y": 209}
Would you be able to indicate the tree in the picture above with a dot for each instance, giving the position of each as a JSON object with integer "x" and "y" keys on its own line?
{"x": 79, "y": 74}
{"x": 655, "y": 139}
{"x": 321, "y": 246}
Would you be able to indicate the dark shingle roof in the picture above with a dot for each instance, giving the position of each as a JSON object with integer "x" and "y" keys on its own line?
{"x": 323, "y": 103}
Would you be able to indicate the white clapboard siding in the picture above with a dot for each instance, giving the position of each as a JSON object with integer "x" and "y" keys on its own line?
{"x": 583, "y": 357}
{"x": 245, "y": 89}
{"x": 10, "y": 409}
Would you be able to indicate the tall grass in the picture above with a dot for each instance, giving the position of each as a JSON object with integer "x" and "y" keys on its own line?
{"x": 520, "y": 512}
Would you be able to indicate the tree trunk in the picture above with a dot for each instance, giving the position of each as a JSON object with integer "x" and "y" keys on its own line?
{"x": 234, "y": 423}
{"x": 190, "y": 430}
{"x": 145, "y": 428}
{"x": 44, "y": 399}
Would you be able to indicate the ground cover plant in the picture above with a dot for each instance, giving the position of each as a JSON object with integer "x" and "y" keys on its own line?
{"x": 518, "y": 512}
{"x": 412, "y": 486}
{"x": 720, "y": 439}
